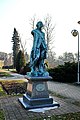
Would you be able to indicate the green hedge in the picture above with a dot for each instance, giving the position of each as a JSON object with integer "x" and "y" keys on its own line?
{"x": 64, "y": 73}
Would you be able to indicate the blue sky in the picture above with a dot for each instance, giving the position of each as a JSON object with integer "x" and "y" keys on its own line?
{"x": 17, "y": 13}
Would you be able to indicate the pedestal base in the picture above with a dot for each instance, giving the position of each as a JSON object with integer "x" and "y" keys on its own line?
{"x": 37, "y": 95}
{"x": 28, "y": 106}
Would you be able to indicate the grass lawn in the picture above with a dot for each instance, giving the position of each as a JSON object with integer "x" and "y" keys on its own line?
{"x": 14, "y": 86}
{"x": 70, "y": 116}
{"x": 2, "y": 92}
{"x": 4, "y": 73}
{"x": 2, "y": 115}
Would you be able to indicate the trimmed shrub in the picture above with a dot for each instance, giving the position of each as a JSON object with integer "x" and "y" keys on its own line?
{"x": 14, "y": 87}
{"x": 65, "y": 73}
{"x": 25, "y": 69}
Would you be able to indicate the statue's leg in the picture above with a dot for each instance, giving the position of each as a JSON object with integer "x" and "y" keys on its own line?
{"x": 41, "y": 67}
{"x": 33, "y": 71}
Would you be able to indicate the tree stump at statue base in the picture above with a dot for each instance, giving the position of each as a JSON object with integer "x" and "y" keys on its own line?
{"x": 37, "y": 95}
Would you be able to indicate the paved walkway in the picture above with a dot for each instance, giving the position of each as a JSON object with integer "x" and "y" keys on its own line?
{"x": 14, "y": 111}
{"x": 15, "y": 76}
{"x": 66, "y": 90}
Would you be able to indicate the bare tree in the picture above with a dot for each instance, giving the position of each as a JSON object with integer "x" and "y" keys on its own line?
{"x": 23, "y": 46}
{"x": 49, "y": 29}
{"x": 68, "y": 57}
{"x": 49, "y": 34}
{"x": 23, "y": 49}
{"x": 32, "y": 22}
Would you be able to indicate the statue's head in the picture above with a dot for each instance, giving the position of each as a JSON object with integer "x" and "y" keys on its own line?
{"x": 39, "y": 24}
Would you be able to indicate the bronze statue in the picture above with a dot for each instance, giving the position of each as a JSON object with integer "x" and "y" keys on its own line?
{"x": 38, "y": 53}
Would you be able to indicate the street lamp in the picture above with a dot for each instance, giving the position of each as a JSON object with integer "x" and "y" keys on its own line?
{"x": 76, "y": 33}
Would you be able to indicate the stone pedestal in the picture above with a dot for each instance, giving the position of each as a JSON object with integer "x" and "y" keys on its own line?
{"x": 37, "y": 95}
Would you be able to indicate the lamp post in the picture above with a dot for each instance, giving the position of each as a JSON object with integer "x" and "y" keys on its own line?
{"x": 76, "y": 33}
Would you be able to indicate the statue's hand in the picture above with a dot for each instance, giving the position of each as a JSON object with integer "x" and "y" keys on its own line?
{"x": 43, "y": 54}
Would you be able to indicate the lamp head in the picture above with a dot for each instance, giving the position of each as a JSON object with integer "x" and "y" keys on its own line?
{"x": 74, "y": 32}
{"x": 78, "y": 22}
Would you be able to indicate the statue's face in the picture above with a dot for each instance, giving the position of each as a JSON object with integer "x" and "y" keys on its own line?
{"x": 39, "y": 25}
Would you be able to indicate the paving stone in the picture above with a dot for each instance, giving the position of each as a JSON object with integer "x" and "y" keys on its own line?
{"x": 14, "y": 111}
{"x": 66, "y": 90}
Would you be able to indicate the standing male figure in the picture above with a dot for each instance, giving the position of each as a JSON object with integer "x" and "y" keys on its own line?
{"x": 38, "y": 53}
